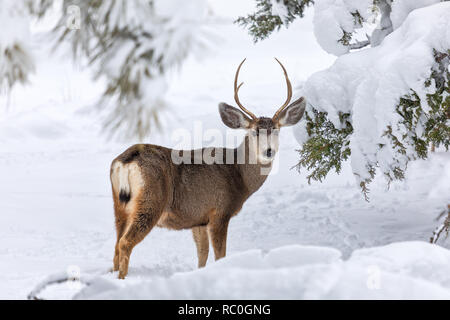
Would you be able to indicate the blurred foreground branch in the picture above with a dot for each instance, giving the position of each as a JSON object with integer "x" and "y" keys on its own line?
{"x": 443, "y": 227}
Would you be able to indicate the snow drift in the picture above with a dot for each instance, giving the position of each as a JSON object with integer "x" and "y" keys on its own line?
{"x": 404, "y": 270}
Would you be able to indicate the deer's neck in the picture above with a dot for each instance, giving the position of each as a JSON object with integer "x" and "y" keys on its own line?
{"x": 253, "y": 175}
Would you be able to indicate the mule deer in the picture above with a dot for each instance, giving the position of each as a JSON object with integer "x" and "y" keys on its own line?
{"x": 149, "y": 189}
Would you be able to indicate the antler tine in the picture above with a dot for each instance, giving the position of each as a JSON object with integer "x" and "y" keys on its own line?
{"x": 236, "y": 90}
{"x": 289, "y": 91}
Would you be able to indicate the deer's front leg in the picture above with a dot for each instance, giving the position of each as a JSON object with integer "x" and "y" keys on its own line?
{"x": 217, "y": 229}
{"x": 200, "y": 235}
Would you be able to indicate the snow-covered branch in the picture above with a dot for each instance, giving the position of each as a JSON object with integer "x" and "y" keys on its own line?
{"x": 443, "y": 227}
{"x": 16, "y": 60}
{"x": 132, "y": 45}
{"x": 382, "y": 115}
{"x": 385, "y": 26}
{"x": 52, "y": 280}
{"x": 359, "y": 44}
{"x": 271, "y": 15}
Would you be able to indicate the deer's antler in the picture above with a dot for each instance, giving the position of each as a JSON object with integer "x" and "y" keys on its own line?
{"x": 289, "y": 92}
{"x": 236, "y": 90}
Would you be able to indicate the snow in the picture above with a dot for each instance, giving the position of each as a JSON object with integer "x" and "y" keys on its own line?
{"x": 291, "y": 239}
{"x": 403, "y": 270}
{"x": 333, "y": 17}
{"x": 279, "y": 9}
{"x": 401, "y": 9}
{"x": 14, "y": 38}
{"x": 369, "y": 83}
{"x": 14, "y": 24}
{"x": 157, "y": 37}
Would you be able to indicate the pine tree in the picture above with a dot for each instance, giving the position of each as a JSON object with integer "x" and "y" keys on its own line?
{"x": 382, "y": 106}
{"x": 271, "y": 15}
{"x": 16, "y": 59}
{"x": 131, "y": 44}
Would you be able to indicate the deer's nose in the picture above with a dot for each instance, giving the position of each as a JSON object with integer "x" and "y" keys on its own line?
{"x": 270, "y": 153}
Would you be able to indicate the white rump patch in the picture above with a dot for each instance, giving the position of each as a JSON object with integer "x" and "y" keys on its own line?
{"x": 126, "y": 178}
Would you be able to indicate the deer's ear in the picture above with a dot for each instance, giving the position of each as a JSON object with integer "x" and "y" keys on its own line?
{"x": 293, "y": 113}
{"x": 232, "y": 117}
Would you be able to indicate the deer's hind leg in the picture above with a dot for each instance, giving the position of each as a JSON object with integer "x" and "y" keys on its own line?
{"x": 200, "y": 235}
{"x": 120, "y": 229}
{"x": 139, "y": 207}
{"x": 121, "y": 218}
{"x": 143, "y": 220}
{"x": 144, "y": 213}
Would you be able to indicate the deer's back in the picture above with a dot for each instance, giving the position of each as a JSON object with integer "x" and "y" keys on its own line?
{"x": 191, "y": 192}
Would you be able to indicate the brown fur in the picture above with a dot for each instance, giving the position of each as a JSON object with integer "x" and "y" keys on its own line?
{"x": 202, "y": 197}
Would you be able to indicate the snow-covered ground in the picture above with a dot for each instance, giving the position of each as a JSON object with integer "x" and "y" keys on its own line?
{"x": 413, "y": 270}
{"x": 291, "y": 239}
